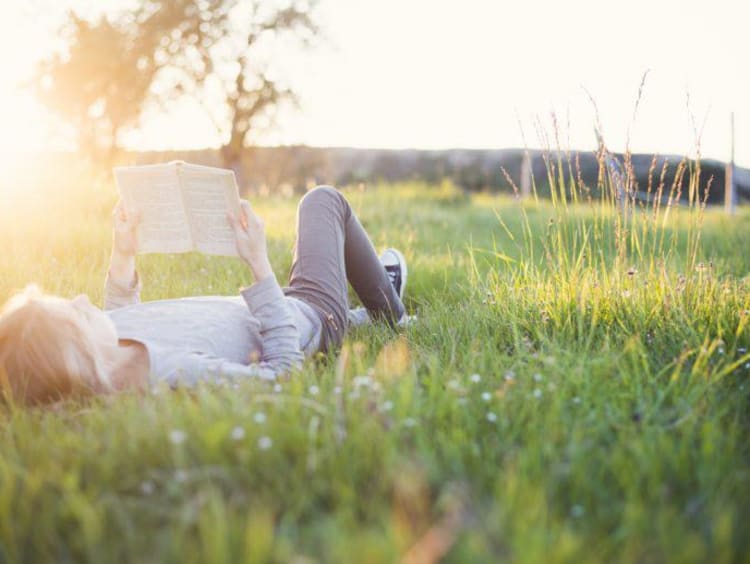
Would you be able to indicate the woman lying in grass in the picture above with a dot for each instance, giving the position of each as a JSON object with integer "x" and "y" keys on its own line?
{"x": 51, "y": 347}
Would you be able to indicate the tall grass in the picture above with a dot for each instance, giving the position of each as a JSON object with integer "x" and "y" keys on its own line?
{"x": 575, "y": 389}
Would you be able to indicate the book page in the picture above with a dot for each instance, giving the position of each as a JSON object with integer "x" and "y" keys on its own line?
{"x": 154, "y": 191}
{"x": 209, "y": 194}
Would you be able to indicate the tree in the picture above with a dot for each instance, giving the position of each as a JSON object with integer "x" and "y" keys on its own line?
{"x": 102, "y": 80}
{"x": 252, "y": 94}
{"x": 108, "y": 74}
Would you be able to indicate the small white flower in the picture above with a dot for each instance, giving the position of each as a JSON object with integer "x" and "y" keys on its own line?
{"x": 476, "y": 378}
{"x": 491, "y": 417}
{"x": 259, "y": 418}
{"x": 509, "y": 375}
{"x": 576, "y": 400}
{"x": 577, "y": 511}
{"x": 147, "y": 487}
{"x": 486, "y": 396}
{"x": 277, "y": 388}
{"x": 410, "y": 422}
{"x": 454, "y": 384}
{"x": 238, "y": 433}
{"x": 313, "y": 390}
{"x": 538, "y": 377}
{"x": 177, "y": 437}
{"x": 181, "y": 476}
{"x": 537, "y": 393}
{"x": 462, "y": 401}
{"x": 362, "y": 381}
{"x": 264, "y": 443}
{"x": 387, "y": 405}
{"x": 337, "y": 390}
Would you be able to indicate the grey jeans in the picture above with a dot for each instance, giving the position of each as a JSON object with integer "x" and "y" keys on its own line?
{"x": 332, "y": 248}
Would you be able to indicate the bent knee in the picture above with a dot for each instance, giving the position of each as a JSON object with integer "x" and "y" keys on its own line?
{"x": 327, "y": 195}
{"x": 322, "y": 191}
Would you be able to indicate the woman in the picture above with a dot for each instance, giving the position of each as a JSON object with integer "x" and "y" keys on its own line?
{"x": 52, "y": 347}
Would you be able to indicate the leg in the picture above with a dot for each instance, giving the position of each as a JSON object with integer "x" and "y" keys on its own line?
{"x": 332, "y": 246}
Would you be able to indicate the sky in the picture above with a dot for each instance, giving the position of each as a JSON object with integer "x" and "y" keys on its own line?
{"x": 460, "y": 74}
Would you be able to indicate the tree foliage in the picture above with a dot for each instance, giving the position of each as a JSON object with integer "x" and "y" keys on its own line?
{"x": 114, "y": 67}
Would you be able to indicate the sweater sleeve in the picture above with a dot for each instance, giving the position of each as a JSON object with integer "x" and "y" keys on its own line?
{"x": 279, "y": 333}
{"x": 280, "y": 339}
{"x": 117, "y": 295}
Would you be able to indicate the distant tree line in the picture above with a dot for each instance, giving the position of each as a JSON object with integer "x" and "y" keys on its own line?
{"x": 297, "y": 168}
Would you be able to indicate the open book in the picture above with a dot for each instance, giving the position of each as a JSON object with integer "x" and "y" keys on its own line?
{"x": 183, "y": 207}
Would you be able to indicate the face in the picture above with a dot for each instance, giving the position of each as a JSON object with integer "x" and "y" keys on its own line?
{"x": 97, "y": 323}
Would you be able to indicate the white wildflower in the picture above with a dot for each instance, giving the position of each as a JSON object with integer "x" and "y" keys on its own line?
{"x": 259, "y": 418}
{"x": 486, "y": 396}
{"x": 314, "y": 390}
{"x": 538, "y": 377}
{"x": 337, "y": 390}
{"x": 509, "y": 375}
{"x": 410, "y": 422}
{"x": 387, "y": 405}
{"x": 147, "y": 487}
{"x": 177, "y": 437}
{"x": 181, "y": 476}
{"x": 577, "y": 511}
{"x": 491, "y": 417}
{"x": 264, "y": 443}
{"x": 238, "y": 433}
{"x": 277, "y": 388}
{"x": 576, "y": 400}
{"x": 476, "y": 378}
{"x": 537, "y": 393}
{"x": 362, "y": 381}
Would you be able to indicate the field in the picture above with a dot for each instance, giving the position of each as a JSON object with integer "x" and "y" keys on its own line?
{"x": 576, "y": 388}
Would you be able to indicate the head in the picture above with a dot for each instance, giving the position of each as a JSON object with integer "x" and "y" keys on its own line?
{"x": 52, "y": 348}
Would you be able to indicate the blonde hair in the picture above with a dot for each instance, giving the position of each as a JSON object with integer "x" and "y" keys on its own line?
{"x": 45, "y": 352}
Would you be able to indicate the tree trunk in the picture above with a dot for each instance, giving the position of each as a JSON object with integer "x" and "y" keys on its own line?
{"x": 231, "y": 158}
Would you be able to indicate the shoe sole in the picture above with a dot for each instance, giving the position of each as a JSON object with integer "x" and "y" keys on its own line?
{"x": 404, "y": 271}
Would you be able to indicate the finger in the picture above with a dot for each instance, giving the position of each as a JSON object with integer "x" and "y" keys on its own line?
{"x": 234, "y": 223}
{"x": 247, "y": 212}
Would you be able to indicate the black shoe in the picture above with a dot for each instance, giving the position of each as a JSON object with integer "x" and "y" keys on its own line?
{"x": 395, "y": 265}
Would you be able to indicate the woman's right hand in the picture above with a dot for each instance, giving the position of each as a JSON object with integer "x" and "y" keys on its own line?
{"x": 124, "y": 245}
{"x": 124, "y": 232}
{"x": 250, "y": 236}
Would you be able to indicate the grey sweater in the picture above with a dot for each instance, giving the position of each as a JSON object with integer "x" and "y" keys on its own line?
{"x": 259, "y": 334}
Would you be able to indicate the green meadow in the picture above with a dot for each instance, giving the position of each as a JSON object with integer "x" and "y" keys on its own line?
{"x": 576, "y": 388}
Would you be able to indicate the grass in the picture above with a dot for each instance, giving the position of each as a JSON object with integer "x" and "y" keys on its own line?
{"x": 576, "y": 389}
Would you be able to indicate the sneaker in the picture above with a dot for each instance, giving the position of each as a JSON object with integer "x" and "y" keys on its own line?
{"x": 395, "y": 265}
